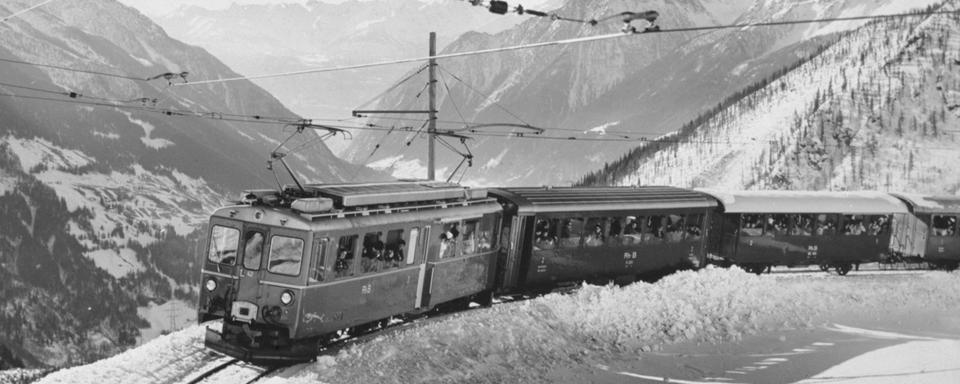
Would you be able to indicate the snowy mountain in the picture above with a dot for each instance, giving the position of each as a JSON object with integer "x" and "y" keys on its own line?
{"x": 638, "y": 86}
{"x": 272, "y": 38}
{"x": 878, "y": 109}
{"x": 105, "y": 176}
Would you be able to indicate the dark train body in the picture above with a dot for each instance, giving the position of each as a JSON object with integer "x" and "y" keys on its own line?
{"x": 289, "y": 271}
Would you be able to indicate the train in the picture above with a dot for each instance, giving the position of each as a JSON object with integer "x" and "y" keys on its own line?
{"x": 290, "y": 271}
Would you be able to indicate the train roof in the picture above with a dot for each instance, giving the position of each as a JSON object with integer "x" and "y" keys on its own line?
{"x": 373, "y": 194}
{"x": 859, "y": 202}
{"x": 930, "y": 204}
{"x": 579, "y": 199}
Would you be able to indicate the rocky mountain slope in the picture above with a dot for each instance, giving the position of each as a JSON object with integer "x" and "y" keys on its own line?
{"x": 877, "y": 110}
{"x": 105, "y": 179}
{"x": 635, "y": 87}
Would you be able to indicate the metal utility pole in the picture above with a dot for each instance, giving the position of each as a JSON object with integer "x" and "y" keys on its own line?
{"x": 431, "y": 109}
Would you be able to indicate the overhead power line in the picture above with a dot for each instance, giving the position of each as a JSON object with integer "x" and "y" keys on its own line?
{"x": 578, "y": 40}
{"x": 15, "y": 14}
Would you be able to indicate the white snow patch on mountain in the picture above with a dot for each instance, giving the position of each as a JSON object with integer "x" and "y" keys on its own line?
{"x": 495, "y": 161}
{"x": 602, "y": 129}
{"x": 142, "y": 61}
{"x": 148, "y": 128}
{"x": 33, "y": 152}
{"x": 366, "y": 24}
{"x": 117, "y": 262}
{"x": 403, "y": 169}
{"x": 171, "y": 316}
{"x": 111, "y": 136}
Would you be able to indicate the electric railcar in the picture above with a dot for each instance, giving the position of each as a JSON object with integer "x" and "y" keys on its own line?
{"x": 287, "y": 272}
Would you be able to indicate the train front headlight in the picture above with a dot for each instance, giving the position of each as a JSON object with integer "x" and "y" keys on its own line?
{"x": 286, "y": 297}
{"x": 211, "y": 285}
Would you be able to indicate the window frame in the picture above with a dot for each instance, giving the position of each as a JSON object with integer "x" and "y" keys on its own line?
{"x": 236, "y": 250}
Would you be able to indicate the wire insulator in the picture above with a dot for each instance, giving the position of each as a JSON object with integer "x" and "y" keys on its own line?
{"x": 499, "y": 7}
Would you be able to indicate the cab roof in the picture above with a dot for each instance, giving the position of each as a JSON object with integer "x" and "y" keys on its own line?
{"x": 930, "y": 204}
{"x": 858, "y": 202}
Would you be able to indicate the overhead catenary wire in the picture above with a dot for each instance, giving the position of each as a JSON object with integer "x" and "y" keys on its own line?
{"x": 18, "y": 13}
{"x": 578, "y": 40}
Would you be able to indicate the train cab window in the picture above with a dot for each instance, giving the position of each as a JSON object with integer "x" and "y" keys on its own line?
{"x": 632, "y": 230}
{"x": 318, "y": 266}
{"x": 751, "y": 225}
{"x": 371, "y": 256}
{"x": 853, "y": 225}
{"x": 252, "y": 250}
{"x": 674, "y": 227}
{"x": 224, "y": 242}
{"x": 802, "y": 225}
{"x": 570, "y": 232}
{"x": 545, "y": 233}
{"x": 393, "y": 253}
{"x": 286, "y": 254}
{"x": 694, "y": 226}
{"x": 448, "y": 240}
{"x": 593, "y": 235}
{"x": 877, "y": 224}
{"x": 826, "y": 224}
{"x": 777, "y": 225}
{"x": 414, "y": 239}
{"x": 944, "y": 226}
{"x": 343, "y": 267}
{"x": 469, "y": 236}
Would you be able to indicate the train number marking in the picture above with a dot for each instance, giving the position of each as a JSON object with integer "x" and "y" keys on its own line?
{"x": 812, "y": 251}
{"x": 366, "y": 289}
{"x": 629, "y": 258}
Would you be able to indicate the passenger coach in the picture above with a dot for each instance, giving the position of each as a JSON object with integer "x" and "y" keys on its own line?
{"x": 760, "y": 229}
{"x": 931, "y": 233}
{"x": 557, "y": 235}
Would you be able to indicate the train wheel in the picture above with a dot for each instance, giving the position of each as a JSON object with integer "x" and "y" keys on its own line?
{"x": 825, "y": 267}
{"x": 952, "y": 266}
{"x": 843, "y": 269}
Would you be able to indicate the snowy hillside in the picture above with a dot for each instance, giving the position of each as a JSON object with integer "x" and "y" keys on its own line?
{"x": 597, "y": 93}
{"x": 527, "y": 341}
{"x": 876, "y": 110}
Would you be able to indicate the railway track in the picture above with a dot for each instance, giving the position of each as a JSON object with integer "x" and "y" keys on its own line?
{"x": 230, "y": 370}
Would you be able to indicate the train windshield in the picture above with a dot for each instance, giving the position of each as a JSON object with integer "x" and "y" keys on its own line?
{"x": 223, "y": 244}
{"x": 286, "y": 255}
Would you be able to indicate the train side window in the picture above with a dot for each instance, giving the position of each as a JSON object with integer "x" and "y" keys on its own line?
{"x": 944, "y": 226}
{"x": 448, "y": 240}
{"x": 343, "y": 267}
{"x": 777, "y": 225}
{"x": 224, "y": 243}
{"x": 593, "y": 235}
{"x": 802, "y": 225}
{"x": 674, "y": 228}
{"x": 878, "y": 224}
{"x": 545, "y": 233}
{"x": 853, "y": 225}
{"x": 751, "y": 225}
{"x": 371, "y": 256}
{"x": 615, "y": 231}
{"x": 252, "y": 250}
{"x": 632, "y": 231}
{"x": 412, "y": 244}
{"x": 469, "y": 236}
{"x": 694, "y": 226}
{"x": 654, "y": 228}
{"x": 485, "y": 238}
{"x": 318, "y": 266}
{"x": 570, "y": 232}
{"x": 286, "y": 255}
{"x": 826, "y": 224}
{"x": 393, "y": 252}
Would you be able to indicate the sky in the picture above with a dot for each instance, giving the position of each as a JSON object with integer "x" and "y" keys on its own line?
{"x": 155, "y": 7}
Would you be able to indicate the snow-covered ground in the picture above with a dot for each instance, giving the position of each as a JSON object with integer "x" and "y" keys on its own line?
{"x": 521, "y": 341}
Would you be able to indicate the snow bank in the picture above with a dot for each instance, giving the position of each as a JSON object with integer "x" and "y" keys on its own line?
{"x": 519, "y": 342}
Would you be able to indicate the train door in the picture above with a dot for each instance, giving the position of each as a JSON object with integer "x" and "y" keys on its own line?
{"x": 250, "y": 267}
